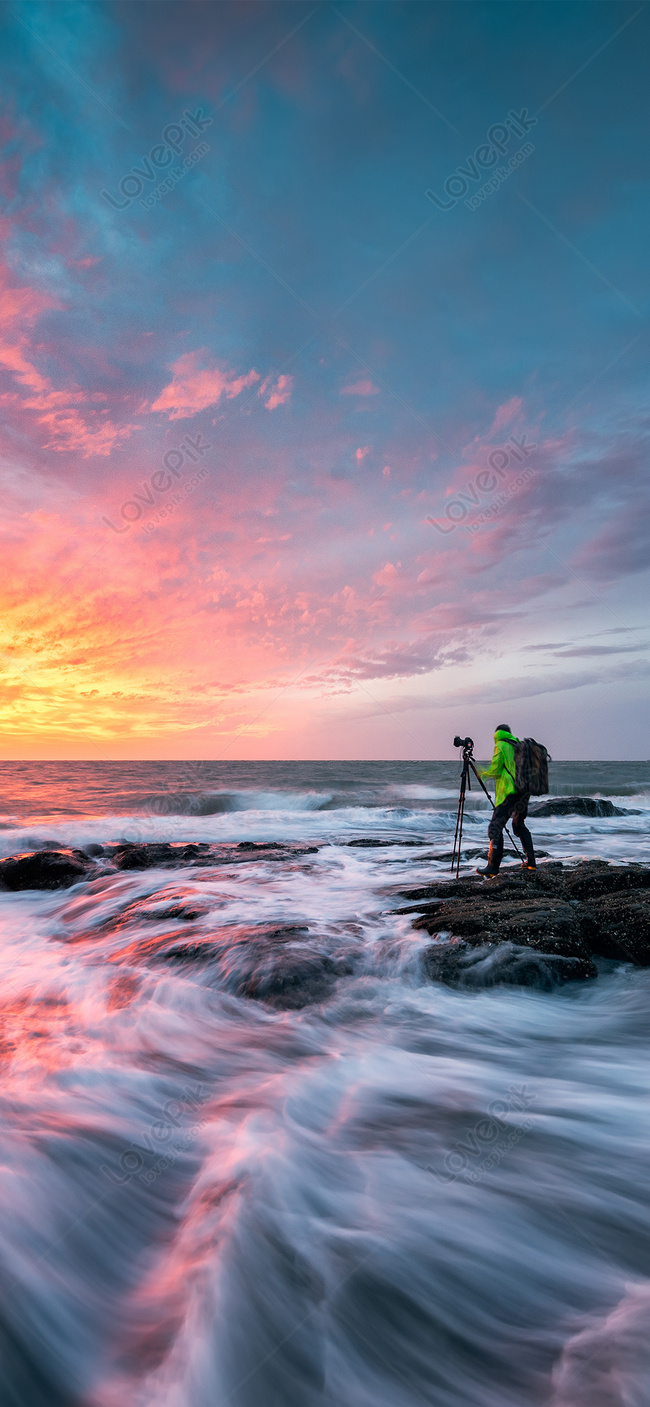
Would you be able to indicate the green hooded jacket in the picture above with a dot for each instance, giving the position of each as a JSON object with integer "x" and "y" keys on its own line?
{"x": 502, "y": 766}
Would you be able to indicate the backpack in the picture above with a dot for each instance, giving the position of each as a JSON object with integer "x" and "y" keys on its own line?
{"x": 531, "y": 767}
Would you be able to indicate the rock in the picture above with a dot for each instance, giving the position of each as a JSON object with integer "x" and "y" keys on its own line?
{"x": 273, "y": 964}
{"x": 291, "y": 981}
{"x": 622, "y": 927}
{"x": 592, "y": 909}
{"x": 491, "y": 965}
{"x": 142, "y": 857}
{"x": 258, "y": 845}
{"x": 593, "y": 879}
{"x": 129, "y": 856}
{"x": 577, "y": 806}
{"x": 550, "y": 925}
{"x": 56, "y": 868}
{"x": 44, "y": 869}
{"x": 373, "y": 842}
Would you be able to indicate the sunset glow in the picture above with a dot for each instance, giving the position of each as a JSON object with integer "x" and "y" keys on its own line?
{"x": 295, "y": 462}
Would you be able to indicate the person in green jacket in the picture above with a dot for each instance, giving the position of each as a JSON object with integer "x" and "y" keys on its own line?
{"x": 508, "y": 802}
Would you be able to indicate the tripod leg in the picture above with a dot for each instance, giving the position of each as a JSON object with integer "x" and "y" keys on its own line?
{"x": 458, "y": 836}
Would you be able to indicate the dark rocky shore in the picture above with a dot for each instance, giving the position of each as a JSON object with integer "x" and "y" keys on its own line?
{"x": 534, "y": 929}
{"x": 539, "y": 929}
{"x": 58, "y": 869}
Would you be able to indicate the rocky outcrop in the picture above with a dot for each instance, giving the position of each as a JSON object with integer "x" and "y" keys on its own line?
{"x": 577, "y": 806}
{"x": 57, "y": 869}
{"x": 490, "y": 965}
{"x": 591, "y": 910}
{"x": 44, "y": 869}
{"x": 281, "y": 965}
{"x": 152, "y": 855}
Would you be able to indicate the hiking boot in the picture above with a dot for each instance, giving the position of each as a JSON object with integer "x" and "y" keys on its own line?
{"x": 527, "y": 866}
{"x": 494, "y": 860}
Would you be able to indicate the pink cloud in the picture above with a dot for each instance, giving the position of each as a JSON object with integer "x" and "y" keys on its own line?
{"x": 505, "y": 415}
{"x": 89, "y": 434}
{"x": 388, "y": 573}
{"x": 194, "y": 388}
{"x": 360, "y": 388}
{"x": 68, "y": 428}
{"x": 280, "y": 393}
{"x": 361, "y": 452}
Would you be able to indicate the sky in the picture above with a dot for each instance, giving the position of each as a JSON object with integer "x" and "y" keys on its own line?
{"x": 323, "y": 349}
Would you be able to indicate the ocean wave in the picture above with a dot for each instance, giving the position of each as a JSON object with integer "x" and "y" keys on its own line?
{"x": 187, "y": 803}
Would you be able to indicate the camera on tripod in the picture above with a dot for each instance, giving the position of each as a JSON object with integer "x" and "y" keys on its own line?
{"x": 469, "y": 766}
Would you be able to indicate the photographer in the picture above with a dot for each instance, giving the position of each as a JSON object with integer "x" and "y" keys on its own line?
{"x": 508, "y": 802}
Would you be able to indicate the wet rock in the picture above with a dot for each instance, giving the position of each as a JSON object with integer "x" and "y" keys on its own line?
{"x": 551, "y": 925}
{"x": 491, "y": 965}
{"x": 93, "y": 849}
{"x": 282, "y": 967}
{"x": 372, "y": 842}
{"x": 258, "y": 845}
{"x": 591, "y": 880}
{"x": 514, "y": 881}
{"x": 622, "y": 927}
{"x": 185, "y": 911}
{"x": 278, "y": 965}
{"x": 592, "y": 909}
{"x": 142, "y": 857}
{"x": 130, "y": 856}
{"x": 291, "y": 980}
{"x": 44, "y": 869}
{"x": 577, "y": 806}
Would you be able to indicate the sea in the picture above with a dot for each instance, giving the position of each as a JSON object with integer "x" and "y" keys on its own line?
{"x": 397, "y": 1193}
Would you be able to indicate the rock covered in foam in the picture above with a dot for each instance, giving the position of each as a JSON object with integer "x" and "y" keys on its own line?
{"x": 494, "y": 964}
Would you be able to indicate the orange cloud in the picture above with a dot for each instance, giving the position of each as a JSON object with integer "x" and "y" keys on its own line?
{"x": 194, "y": 388}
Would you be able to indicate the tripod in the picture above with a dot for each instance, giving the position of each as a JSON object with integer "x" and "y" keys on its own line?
{"x": 467, "y": 745}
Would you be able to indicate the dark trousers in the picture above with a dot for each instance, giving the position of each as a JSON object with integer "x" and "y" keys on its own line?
{"x": 515, "y": 805}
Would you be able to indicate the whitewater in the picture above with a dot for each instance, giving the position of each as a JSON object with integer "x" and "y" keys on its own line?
{"x": 393, "y": 1194}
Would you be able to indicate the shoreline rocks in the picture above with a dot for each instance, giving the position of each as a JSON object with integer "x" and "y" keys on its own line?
{"x": 539, "y": 929}
{"x": 565, "y": 917}
{"x": 45, "y": 869}
{"x": 58, "y": 869}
